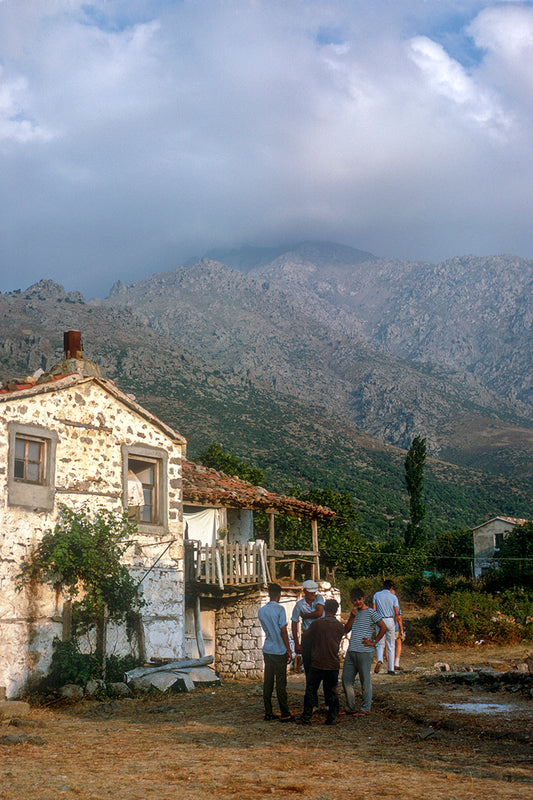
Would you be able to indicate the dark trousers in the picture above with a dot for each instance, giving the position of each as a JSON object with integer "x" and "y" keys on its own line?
{"x": 306, "y": 661}
{"x": 330, "y": 684}
{"x": 275, "y": 673}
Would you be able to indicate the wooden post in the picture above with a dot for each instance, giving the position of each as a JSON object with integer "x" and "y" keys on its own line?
{"x": 238, "y": 563}
{"x": 101, "y": 631}
{"x": 67, "y": 620}
{"x": 198, "y": 560}
{"x": 227, "y": 576}
{"x": 272, "y": 546}
{"x": 264, "y": 568}
{"x": 218, "y": 568}
{"x": 314, "y": 535}
{"x": 198, "y": 629}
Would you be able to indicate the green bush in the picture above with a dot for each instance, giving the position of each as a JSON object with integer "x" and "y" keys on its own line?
{"x": 520, "y": 600}
{"x": 368, "y": 585}
{"x": 464, "y": 618}
{"x": 420, "y": 630}
{"x": 69, "y": 665}
{"x": 415, "y": 588}
{"x": 448, "y": 584}
{"x": 116, "y": 666}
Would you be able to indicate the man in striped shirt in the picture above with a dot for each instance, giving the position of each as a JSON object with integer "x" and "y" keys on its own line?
{"x": 358, "y": 660}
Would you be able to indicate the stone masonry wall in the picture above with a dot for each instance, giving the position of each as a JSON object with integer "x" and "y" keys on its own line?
{"x": 91, "y": 425}
{"x": 239, "y": 635}
{"x": 239, "y": 638}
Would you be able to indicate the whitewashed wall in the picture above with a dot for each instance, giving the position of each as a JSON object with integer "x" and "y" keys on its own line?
{"x": 91, "y": 425}
{"x": 484, "y": 543}
{"x": 240, "y": 522}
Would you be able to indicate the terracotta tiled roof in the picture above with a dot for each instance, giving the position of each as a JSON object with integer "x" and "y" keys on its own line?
{"x": 207, "y": 486}
{"x": 17, "y": 386}
{"x": 512, "y": 520}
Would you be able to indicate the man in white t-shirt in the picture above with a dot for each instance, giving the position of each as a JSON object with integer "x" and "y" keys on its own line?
{"x": 276, "y": 654}
{"x": 386, "y": 603}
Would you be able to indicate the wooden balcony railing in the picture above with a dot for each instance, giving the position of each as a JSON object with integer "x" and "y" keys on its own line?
{"x": 225, "y": 564}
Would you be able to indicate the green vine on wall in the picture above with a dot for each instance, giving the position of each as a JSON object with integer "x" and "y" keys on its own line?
{"x": 82, "y": 556}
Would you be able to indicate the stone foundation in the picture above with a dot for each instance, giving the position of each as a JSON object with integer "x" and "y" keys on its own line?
{"x": 239, "y": 636}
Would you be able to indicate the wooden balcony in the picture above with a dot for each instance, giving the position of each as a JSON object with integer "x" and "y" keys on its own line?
{"x": 226, "y": 565}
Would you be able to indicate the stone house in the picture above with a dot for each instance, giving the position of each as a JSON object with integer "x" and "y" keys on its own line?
{"x": 74, "y": 438}
{"x": 488, "y": 538}
{"x": 71, "y": 437}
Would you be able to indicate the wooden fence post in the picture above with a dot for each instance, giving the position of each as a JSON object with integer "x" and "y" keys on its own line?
{"x": 272, "y": 545}
{"x": 314, "y": 535}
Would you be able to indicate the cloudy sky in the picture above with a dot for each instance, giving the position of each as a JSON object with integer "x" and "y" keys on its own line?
{"x": 135, "y": 134}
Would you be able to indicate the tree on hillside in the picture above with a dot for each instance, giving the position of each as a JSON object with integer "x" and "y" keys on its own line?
{"x": 415, "y": 535}
{"x": 515, "y": 559}
{"x": 341, "y": 545}
{"x": 453, "y": 552}
{"x": 217, "y": 458}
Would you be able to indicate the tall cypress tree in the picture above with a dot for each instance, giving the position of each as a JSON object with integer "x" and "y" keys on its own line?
{"x": 415, "y": 534}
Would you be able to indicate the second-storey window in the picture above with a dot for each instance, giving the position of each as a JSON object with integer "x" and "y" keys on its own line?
{"x": 30, "y": 459}
{"x": 498, "y": 540}
{"x": 31, "y": 471}
{"x": 145, "y": 479}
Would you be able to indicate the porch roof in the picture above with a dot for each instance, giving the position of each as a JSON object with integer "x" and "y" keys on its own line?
{"x": 207, "y": 486}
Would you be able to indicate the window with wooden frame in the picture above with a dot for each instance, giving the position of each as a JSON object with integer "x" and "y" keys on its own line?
{"x": 30, "y": 459}
{"x": 145, "y": 495}
{"x": 31, "y": 469}
{"x": 143, "y": 479}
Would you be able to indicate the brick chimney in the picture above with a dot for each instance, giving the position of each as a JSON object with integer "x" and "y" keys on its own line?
{"x": 72, "y": 344}
{"x": 74, "y": 360}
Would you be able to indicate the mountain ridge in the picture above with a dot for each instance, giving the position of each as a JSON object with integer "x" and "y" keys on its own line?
{"x": 278, "y": 326}
{"x": 282, "y": 378}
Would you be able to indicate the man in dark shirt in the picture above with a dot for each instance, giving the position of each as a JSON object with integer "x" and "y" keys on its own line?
{"x": 325, "y": 635}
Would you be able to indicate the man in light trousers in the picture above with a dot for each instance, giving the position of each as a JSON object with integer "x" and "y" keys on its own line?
{"x": 386, "y": 603}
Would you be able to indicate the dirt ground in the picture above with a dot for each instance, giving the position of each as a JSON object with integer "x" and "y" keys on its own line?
{"x": 215, "y": 743}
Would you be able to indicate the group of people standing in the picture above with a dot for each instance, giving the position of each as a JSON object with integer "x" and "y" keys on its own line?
{"x": 321, "y": 636}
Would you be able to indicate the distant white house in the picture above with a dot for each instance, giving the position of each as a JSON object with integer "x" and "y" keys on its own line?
{"x": 488, "y": 538}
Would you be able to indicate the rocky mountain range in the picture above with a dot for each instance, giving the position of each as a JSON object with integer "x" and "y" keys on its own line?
{"x": 319, "y": 363}
{"x": 398, "y": 348}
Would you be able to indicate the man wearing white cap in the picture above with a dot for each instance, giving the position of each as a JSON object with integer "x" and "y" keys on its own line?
{"x": 306, "y": 610}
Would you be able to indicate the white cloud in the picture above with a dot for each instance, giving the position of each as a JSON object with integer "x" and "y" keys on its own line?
{"x": 447, "y": 78}
{"x": 505, "y": 30}
{"x": 505, "y": 34}
{"x": 15, "y": 125}
{"x": 135, "y": 133}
